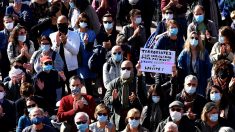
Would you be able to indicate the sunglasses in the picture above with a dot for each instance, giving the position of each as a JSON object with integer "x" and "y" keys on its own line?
{"x": 176, "y": 109}
{"x": 83, "y": 21}
{"x": 126, "y": 68}
{"x": 18, "y": 67}
{"x": 31, "y": 106}
{"x": 81, "y": 122}
{"x": 169, "y": 12}
{"x": 136, "y": 118}
{"x": 108, "y": 22}
{"x": 48, "y": 63}
{"x": 100, "y": 114}
{"x": 194, "y": 38}
{"x": 117, "y": 53}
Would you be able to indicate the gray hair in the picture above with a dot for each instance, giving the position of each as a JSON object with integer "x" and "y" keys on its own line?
{"x": 171, "y": 125}
{"x": 226, "y": 129}
{"x": 79, "y": 114}
{"x": 190, "y": 77}
{"x": 36, "y": 109}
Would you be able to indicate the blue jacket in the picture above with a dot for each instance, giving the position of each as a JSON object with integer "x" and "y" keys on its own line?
{"x": 203, "y": 68}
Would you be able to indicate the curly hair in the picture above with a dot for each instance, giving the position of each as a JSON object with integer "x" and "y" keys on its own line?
{"x": 224, "y": 65}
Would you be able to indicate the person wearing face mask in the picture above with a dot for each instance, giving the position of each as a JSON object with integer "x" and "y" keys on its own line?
{"x": 87, "y": 37}
{"x": 102, "y": 124}
{"x": 19, "y": 45}
{"x": 36, "y": 116}
{"x": 133, "y": 35}
{"x": 193, "y": 102}
{"x": 111, "y": 68}
{"x": 7, "y": 110}
{"x": 125, "y": 92}
{"x": 45, "y": 50}
{"x": 171, "y": 40}
{"x": 176, "y": 110}
{"x": 24, "y": 120}
{"x": 74, "y": 103}
{"x": 4, "y": 36}
{"x": 133, "y": 120}
{"x": 153, "y": 112}
{"x": 205, "y": 27}
{"x": 108, "y": 33}
{"x": 48, "y": 82}
{"x": 210, "y": 119}
{"x": 224, "y": 48}
{"x": 81, "y": 120}
{"x": 194, "y": 59}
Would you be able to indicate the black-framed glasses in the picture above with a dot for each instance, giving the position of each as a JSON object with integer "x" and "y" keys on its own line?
{"x": 31, "y": 106}
{"x": 136, "y": 118}
{"x": 194, "y": 38}
{"x": 169, "y": 12}
{"x": 126, "y": 68}
{"x": 108, "y": 22}
{"x": 48, "y": 63}
{"x": 191, "y": 84}
{"x": 100, "y": 114}
{"x": 81, "y": 122}
{"x": 176, "y": 109}
{"x": 117, "y": 53}
{"x": 18, "y": 67}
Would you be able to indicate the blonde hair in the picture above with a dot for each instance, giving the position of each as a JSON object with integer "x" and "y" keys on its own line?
{"x": 200, "y": 47}
{"x": 99, "y": 108}
{"x": 232, "y": 14}
{"x": 131, "y": 112}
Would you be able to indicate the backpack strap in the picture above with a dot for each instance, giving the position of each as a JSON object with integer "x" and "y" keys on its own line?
{"x": 53, "y": 56}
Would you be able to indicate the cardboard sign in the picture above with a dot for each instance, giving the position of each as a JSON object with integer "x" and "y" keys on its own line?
{"x": 158, "y": 61}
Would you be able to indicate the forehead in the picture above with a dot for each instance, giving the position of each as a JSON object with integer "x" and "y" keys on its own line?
{"x": 7, "y": 19}
{"x": 126, "y": 64}
{"x": 191, "y": 81}
{"x": 116, "y": 48}
{"x": 29, "y": 102}
{"x": 62, "y": 19}
{"x": 75, "y": 81}
{"x": 107, "y": 18}
{"x": 1, "y": 88}
{"x": 194, "y": 35}
{"x": 198, "y": 10}
{"x": 22, "y": 30}
{"x": 81, "y": 118}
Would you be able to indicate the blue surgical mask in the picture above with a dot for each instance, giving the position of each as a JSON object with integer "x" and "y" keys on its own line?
{"x": 190, "y": 90}
{"x": 45, "y": 48}
{"x": 193, "y": 42}
{"x": 102, "y": 118}
{"x": 72, "y": 5}
{"x": 214, "y": 117}
{"x": 83, "y": 24}
{"x": 108, "y": 26}
{"x": 47, "y": 67}
{"x": 82, "y": 127}
{"x": 75, "y": 90}
{"x": 221, "y": 39}
{"x": 155, "y": 99}
{"x": 199, "y": 18}
{"x": 21, "y": 38}
{"x": 173, "y": 31}
{"x": 215, "y": 97}
{"x": 138, "y": 20}
{"x": 117, "y": 57}
{"x": 37, "y": 120}
{"x": 134, "y": 123}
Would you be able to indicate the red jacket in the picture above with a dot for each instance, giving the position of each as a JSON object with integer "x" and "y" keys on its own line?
{"x": 66, "y": 112}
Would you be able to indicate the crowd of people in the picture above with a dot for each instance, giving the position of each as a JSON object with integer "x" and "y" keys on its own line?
{"x": 65, "y": 66}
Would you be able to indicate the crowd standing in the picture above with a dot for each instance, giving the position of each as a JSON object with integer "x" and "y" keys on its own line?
{"x": 65, "y": 66}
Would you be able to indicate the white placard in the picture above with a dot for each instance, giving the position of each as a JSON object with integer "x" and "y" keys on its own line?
{"x": 158, "y": 61}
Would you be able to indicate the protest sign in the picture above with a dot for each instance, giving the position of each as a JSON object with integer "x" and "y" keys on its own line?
{"x": 158, "y": 61}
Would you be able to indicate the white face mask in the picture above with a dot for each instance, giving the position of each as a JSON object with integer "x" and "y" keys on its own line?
{"x": 83, "y": 24}
{"x": 125, "y": 74}
{"x": 169, "y": 16}
{"x": 133, "y": 2}
{"x": 22, "y": 38}
{"x": 175, "y": 116}
{"x": 9, "y": 26}
{"x": 190, "y": 90}
{"x": 2, "y": 94}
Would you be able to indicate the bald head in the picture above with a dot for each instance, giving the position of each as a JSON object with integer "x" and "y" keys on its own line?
{"x": 127, "y": 63}
{"x": 62, "y": 19}
{"x": 116, "y": 48}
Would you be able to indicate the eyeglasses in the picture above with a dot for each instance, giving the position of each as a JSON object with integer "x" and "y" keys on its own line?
{"x": 169, "y": 12}
{"x": 191, "y": 84}
{"x": 176, "y": 109}
{"x": 126, "y": 68}
{"x": 18, "y": 67}
{"x": 45, "y": 43}
{"x": 136, "y": 118}
{"x": 117, "y": 53}
{"x": 100, "y": 114}
{"x": 81, "y": 122}
{"x": 194, "y": 38}
{"x": 48, "y": 63}
{"x": 108, "y": 22}
{"x": 32, "y": 105}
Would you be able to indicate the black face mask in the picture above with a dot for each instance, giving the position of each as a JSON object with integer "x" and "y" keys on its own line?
{"x": 223, "y": 74}
{"x": 63, "y": 28}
